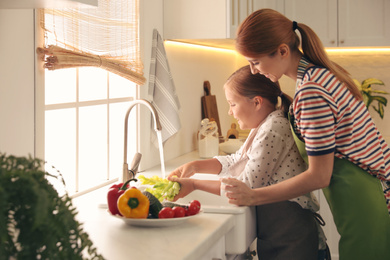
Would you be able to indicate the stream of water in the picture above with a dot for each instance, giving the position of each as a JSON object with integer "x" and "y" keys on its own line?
{"x": 160, "y": 148}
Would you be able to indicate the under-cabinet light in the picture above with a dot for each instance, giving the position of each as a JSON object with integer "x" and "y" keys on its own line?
{"x": 198, "y": 46}
{"x": 336, "y": 50}
{"x": 359, "y": 50}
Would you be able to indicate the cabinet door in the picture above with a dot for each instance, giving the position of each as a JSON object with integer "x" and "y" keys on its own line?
{"x": 319, "y": 15}
{"x": 277, "y": 5}
{"x": 241, "y": 9}
{"x": 364, "y": 23}
{"x": 205, "y": 19}
{"x": 200, "y": 19}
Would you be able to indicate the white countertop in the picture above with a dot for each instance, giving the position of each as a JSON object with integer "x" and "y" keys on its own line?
{"x": 116, "y": 240}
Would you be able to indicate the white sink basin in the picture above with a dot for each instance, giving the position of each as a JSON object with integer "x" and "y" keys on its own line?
{"x": 243, "y": 233}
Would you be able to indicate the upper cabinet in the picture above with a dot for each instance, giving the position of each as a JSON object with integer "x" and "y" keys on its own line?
{"x": 34, "y": 4}
{"x": 241, "y": 9}
{"x": 338, "y": 23}
{"x": 205, "y": 19}
{"x": 344, "y": 23}
{"x": 196, "y": 19}
{"x": 364, "y": 23}
{"x": 319, "y": 15}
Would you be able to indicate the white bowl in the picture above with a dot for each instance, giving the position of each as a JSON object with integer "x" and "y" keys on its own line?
{"x": 231, "y": 145}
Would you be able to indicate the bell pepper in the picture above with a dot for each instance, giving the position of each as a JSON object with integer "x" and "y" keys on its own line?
{"x": 133, "y": 204}
{"x": 114, "y": 193}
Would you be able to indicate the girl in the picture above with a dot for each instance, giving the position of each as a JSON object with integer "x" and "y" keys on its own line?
{"x": 346, "y": 154}
{"x": 287, "y": 229}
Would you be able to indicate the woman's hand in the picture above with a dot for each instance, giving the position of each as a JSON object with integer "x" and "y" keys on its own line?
{"x": 238, "y": 192}
{"x": 317, "y": 176}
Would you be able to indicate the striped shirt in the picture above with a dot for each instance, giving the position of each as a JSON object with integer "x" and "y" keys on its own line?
{"x": 330, "y": 119}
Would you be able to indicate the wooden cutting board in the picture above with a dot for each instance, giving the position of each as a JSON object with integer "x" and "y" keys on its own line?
{"x": 209, "y": 105}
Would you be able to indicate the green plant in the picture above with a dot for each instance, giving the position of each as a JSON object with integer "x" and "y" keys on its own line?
{"x": 370, "y": 95}
{"x": 35, "y": 222}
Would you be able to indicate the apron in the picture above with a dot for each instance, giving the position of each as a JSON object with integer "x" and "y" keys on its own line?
{"x": 284, "y": 229}
{"x": 359, "y": 210}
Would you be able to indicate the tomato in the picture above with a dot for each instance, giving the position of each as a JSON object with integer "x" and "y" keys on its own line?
{"x": 179, "y": 212}
{"x": 166, "y": 212}
{"x": 196, "y": 202}
{"x": 193, "y": 208}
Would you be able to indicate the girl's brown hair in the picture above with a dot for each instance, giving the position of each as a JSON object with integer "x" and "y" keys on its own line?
{"x": 249, "y": 85}
{"x": 265, "y": 30}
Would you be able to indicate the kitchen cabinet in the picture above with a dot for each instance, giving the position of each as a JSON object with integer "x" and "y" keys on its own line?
{"x": 242, "y": 9}
{"x": 344, "y": 23}
{"x": 200, "y": 19}
{"x": 34, "y": 4}
{"x": 364, "y": 23}
{"x": 320, "y": 15}
{"x": 204, "y": 19}
{"x": 338, "y": 23}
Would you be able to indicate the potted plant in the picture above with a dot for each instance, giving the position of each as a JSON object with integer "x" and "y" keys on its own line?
{"x": 370, "y": 95}
{"x": 35, "y": 222}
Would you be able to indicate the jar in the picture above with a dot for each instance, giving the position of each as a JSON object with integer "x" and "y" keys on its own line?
{"x": 208, "y": 139}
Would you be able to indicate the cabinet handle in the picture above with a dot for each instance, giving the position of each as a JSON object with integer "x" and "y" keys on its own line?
{"x": 342, "y": 41}
{"x": 332, "y": 42}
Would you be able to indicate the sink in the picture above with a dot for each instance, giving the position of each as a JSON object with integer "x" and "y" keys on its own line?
{"x": 241, "y": 236}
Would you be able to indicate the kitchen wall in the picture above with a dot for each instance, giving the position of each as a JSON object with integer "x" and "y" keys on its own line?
{"x": 17, "y": 106}
{"x": 190, "y": 67}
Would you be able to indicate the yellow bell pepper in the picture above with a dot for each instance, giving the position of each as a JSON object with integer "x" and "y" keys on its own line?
{"x": 133, "y": 204}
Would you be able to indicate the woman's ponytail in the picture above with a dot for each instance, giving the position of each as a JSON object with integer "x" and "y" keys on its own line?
{"x": 314, "y": 50}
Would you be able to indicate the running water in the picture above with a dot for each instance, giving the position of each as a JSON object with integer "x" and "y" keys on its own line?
{"x": 160, "y": 148}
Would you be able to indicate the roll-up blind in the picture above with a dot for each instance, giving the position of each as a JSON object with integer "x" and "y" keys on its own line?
{"x": 105, "y": 36}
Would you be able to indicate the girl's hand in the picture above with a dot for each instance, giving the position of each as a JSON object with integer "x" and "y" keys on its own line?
{"x": 184, "y": 171}
{"x": 238, "y": 192}
{"x": 186, "y": 187}
{"x": 210, "y": 166}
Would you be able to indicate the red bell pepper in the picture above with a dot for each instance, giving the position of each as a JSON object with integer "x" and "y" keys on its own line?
{"x": 114, "y": 193}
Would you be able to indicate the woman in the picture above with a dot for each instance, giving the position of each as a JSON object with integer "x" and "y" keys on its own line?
{"x": 269, "y": 155}
{"x": 346, "y": 154}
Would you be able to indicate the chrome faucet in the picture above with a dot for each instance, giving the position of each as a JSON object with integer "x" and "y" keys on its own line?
{"x": 157, "y": 127}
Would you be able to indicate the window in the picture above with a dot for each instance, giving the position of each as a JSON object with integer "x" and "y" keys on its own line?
{"x": 85, "y": 107}
{"x": 84, "y": 126}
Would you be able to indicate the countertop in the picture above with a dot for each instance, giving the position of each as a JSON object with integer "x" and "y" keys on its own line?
{"x": 116, "y": 240}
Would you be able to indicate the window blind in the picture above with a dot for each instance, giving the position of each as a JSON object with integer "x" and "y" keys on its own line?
{"x": 105, "y": 36}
